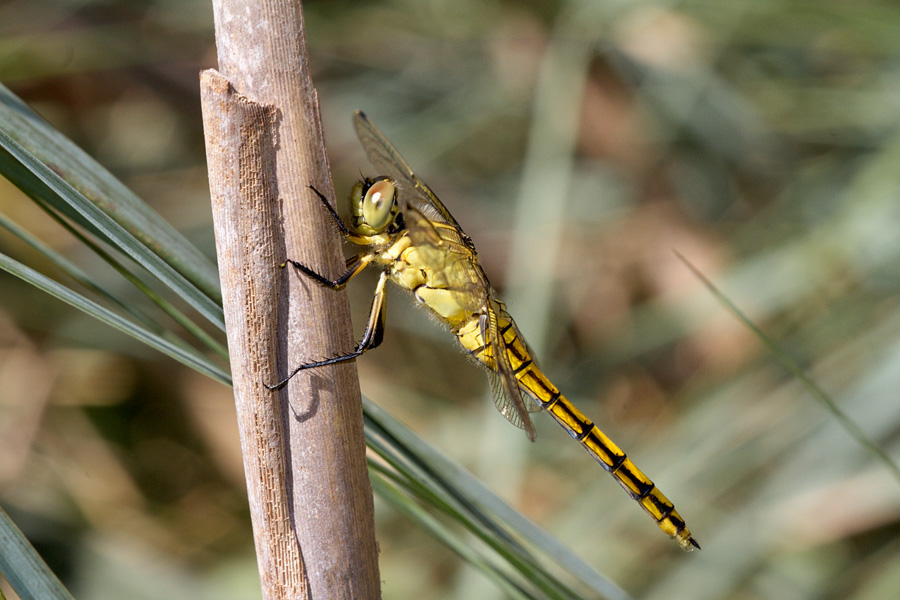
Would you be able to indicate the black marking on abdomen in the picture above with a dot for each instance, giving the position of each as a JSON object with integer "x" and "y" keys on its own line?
{"x": 620, "y": 460}
{"x": 524, "y": 365}
{"x": 587, "y": 431}
{"x": 551, "y": 401}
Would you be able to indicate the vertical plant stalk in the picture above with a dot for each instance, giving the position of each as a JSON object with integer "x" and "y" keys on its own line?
{"x": 304, "y": 450}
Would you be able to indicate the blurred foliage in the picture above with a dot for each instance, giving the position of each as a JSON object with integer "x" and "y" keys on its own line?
{"x": 578, "y": 143}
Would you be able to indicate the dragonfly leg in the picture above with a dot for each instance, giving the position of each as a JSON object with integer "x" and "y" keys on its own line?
{"x": 372, "y": 337}
{"x": 331, "y": 211}
{"x": 355, "y": 266}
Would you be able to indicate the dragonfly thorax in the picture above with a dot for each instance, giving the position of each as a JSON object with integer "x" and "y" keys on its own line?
{"x": 373, "y": 206}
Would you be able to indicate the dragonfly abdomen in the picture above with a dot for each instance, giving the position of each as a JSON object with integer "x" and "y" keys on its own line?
{"x": 640, "y": 487}
{"x": 538, "y": 387}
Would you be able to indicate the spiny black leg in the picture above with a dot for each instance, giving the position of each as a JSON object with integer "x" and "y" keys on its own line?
{"x": 334, "y": 215}
{"x": 355, "y": 265}
{"x": 372, "y": 337}
{"x": 311, "y": 274}
{"x": 319, "y": 363}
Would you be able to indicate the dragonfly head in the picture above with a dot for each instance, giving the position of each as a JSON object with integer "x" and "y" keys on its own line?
{"x": 373, "y": 206}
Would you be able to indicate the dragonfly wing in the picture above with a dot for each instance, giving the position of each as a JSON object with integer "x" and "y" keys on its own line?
{"x": 434, "y": 236}
{"x": 388, "y": 161}
{"x": 504, "y": 385}
{"x": 380, "y": 151}
{"x": 452, "y": 266}
{"x": 449, "y": 252}
{"x": 515, "y": 334}
{"x": 422, "y": 231}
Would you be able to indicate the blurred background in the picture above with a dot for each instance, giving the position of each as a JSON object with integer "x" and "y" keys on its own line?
{"x": 578, "y": 143}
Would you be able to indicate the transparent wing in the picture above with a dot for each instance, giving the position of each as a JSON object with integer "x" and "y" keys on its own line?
{"x": 451, "y": 255}
{"x": 515, "y": 334}
{"x": 453, "y": 266}
{"x": 388, "y": 161}
{"x": 504, "y": 386}
{"x": 422, "y": 230}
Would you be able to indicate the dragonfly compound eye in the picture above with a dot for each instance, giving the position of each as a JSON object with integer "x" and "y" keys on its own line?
{"x": 378, "y": 204}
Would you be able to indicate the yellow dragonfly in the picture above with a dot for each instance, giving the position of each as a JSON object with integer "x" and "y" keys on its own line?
{"x": 415, "y": 241}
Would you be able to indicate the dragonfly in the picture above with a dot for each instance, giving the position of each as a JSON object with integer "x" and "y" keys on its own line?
{"x": 408, "y": 233}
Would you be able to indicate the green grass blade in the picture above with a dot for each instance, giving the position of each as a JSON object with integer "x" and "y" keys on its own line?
{"x": 423, "y": 464}
{"x": 23, "y": 567}
{"x": 511, "y": 553}
{"x": 401, "y": 502}
{"x": 37, "y": 180}
{"x": 112, "y": 197}
{"x": 74, "y": 271}
{"x": 35, "y": 177}
{"x": 84, "y": 279}
{"x": 794, "y": 369}
{"x": 178, "y": 352}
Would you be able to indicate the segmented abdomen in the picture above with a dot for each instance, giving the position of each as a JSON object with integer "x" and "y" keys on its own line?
{"x": 535, "y": 384}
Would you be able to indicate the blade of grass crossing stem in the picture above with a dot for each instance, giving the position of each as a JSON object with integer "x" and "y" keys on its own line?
{"x": 818, "y": 393}
{"x": 401, "y": 503}
{"x": 103, "y": 225}
{"x": 81, "y": 277}
{"x": 424, "y": 464}
{"x": 85, "y": 174}
{"x": 23, "y": 567}
{"x": 512, "y": 554}
{"x": 180, "y": 353}
{"x": 175, "y": 314}
{"x": 423, "y": 476}
{"x": 73, "y": 270}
